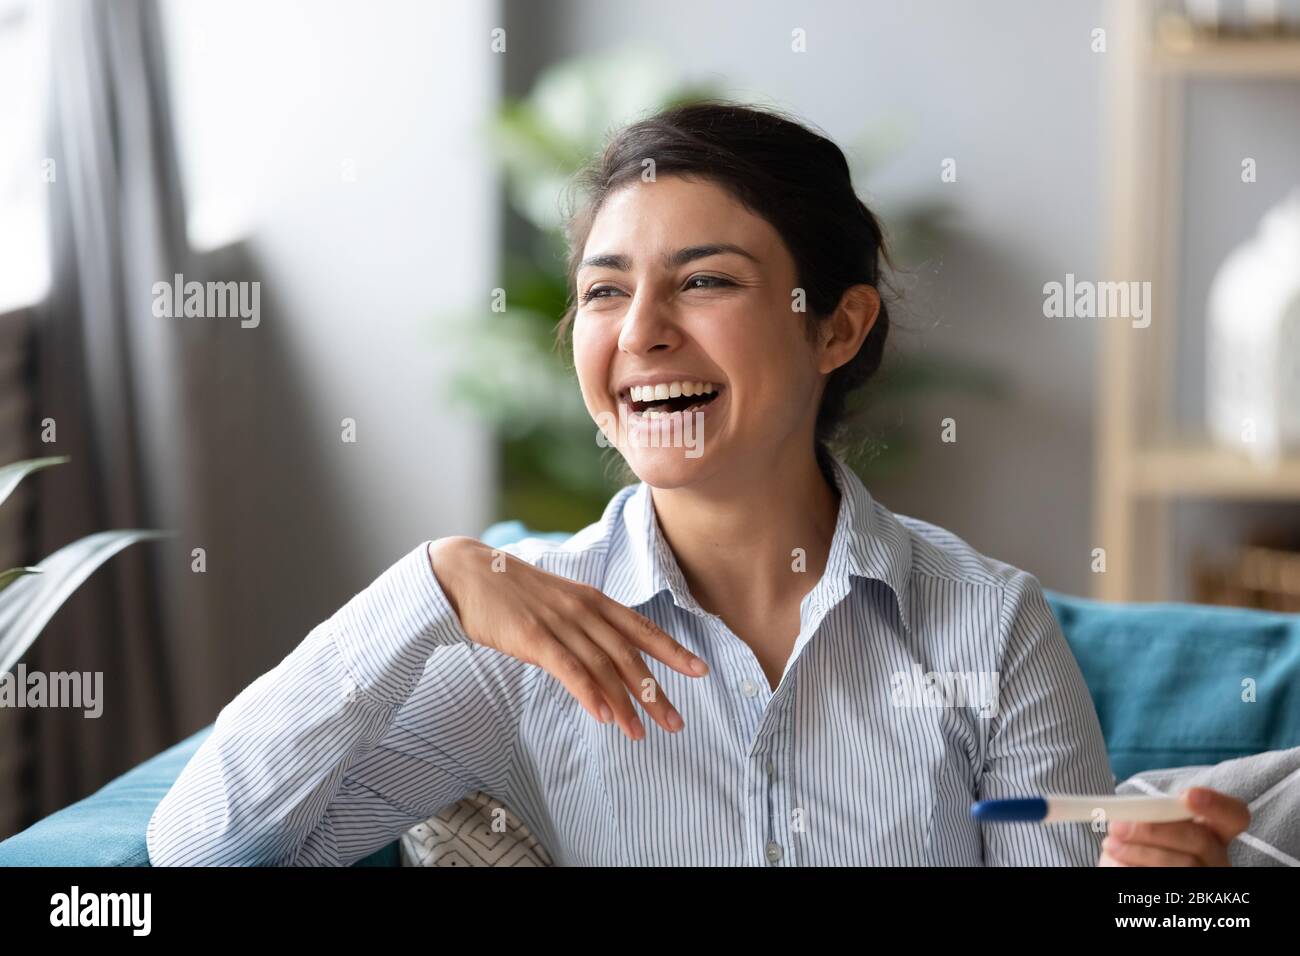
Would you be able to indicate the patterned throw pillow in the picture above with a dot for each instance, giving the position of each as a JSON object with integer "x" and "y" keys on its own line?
{"x": 477, "y": 831}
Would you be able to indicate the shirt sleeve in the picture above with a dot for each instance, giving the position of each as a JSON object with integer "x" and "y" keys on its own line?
{"x": 383, "y": 715}
{"x": 1044, "y": 738}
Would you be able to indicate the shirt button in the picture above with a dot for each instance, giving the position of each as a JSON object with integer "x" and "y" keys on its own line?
{"x": 773, "y": 852}
{"x": 748, "y": 687}
{"x": 771, "y": 768}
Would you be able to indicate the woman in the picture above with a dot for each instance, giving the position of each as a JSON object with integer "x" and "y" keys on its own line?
{"x": 749, "y": 596}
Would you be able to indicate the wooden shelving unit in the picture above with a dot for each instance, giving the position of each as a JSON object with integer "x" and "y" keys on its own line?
{"x": 1174, "y": 471}
{"x": 1142, "y": 467}
{"x": 1273, "y": 57}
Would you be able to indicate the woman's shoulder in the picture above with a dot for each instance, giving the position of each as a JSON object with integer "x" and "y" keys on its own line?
{"x": 580, "y": 555}
{"x": 950, "y": 572}
{"x": 924, "y": 549}
{"x": 942, "y": 553}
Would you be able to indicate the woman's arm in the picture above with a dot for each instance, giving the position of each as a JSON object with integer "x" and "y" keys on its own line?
{"x": 331, "y": 754}
{"x": 1045, "y": 737}
{"x": 391, "y": 710}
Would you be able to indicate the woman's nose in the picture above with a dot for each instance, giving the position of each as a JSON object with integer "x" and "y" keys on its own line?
{"x": 647, "y": 326}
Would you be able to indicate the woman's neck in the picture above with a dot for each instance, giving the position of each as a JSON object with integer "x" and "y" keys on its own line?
{"x": 757, "y": 544}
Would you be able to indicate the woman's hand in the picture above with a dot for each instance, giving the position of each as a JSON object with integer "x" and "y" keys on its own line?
{"x": 588, "y": 642}
{"x": 1202, "y": 841}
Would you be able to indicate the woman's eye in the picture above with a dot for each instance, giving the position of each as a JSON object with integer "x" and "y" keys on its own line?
{"x": 596, "y": 293}
{"x": 694, "y": 282}
{"x": 711, "y": 282}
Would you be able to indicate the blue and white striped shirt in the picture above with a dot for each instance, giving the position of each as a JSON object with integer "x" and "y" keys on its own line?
{"x": 385, "y": 714}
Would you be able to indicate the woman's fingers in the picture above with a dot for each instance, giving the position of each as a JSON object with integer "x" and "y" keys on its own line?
{"x": 636, "y": 676}
{"x": 1225, "y": 815}
{"x": 604, "y": 673}
{"x": 648, "y": 636}
{"x": 1138, "y": 854}
{"x": 562, "y": 664}
{"x": 1187, "y": 838}
{"x": 1202, "y": 841}
{"x": 612, "y": 661}
{"x": 586, "y": 640}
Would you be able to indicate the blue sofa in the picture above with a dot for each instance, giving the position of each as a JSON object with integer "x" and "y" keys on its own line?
{"x": 1169, "y": 682}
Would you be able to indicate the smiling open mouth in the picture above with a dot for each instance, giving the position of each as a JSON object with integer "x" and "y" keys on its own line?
{"x": 655, "y": 400}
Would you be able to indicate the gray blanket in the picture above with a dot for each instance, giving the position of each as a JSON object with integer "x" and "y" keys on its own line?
{"x": 1269, "y": 782}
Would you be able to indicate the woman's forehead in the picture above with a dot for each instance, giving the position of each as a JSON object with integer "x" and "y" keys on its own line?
{"x": 657, "y": 218}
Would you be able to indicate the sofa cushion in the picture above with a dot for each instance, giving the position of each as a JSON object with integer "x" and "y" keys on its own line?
{"x": 108, "y": 827}
{"x": 1177, "y": 685}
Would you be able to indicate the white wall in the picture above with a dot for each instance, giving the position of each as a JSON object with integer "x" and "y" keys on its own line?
{"x": 339, "y": 142}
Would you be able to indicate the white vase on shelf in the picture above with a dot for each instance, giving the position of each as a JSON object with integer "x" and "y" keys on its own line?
{"x": 1253, "y": 340}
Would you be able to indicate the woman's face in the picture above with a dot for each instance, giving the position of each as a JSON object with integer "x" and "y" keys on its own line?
{"x": 681, "y": 285}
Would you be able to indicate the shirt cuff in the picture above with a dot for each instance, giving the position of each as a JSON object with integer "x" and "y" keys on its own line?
{"x": 386, "y": 633}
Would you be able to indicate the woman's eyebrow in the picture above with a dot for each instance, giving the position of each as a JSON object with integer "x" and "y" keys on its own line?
{"x": 616, "y": 260}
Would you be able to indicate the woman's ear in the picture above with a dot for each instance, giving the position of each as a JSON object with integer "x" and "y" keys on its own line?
{"x": 843, "y": 333}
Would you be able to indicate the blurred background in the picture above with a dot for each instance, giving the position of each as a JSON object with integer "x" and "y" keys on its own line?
{"x": 390, "y": 176}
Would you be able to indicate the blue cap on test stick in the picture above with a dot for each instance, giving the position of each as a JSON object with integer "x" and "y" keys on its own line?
{"x": 1029, "y": 809}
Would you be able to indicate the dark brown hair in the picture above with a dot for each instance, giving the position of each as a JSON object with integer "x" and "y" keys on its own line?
{"x": 795, "y": 178}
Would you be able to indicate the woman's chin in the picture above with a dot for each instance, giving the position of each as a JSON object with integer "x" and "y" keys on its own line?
{"x": 665, "y": 467}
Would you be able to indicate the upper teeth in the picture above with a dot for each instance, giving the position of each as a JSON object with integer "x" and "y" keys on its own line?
{"x": 655, "y": 393}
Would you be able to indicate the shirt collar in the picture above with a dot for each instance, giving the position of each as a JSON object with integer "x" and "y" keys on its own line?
{"x": 868, "y": 542}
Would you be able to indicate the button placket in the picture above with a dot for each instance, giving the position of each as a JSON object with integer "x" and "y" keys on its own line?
{"x": 785, "y": 820}
{"x": 774, "y": 851}
{"x": 752, "y": 708}
{"x": 739, "y": 670}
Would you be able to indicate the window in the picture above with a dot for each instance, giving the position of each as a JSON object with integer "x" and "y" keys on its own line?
{"x": 25, "y": 171}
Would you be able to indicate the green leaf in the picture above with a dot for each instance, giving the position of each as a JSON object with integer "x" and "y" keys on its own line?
{"x": 13, "y": 574}
{"x": 10, "y": 475}
{"x": 27, "y": 605}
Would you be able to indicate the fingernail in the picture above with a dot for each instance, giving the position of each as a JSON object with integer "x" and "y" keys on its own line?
{"x": 638, "y": 727}
{"x": 606, "y": 715}
{"x": 1121, "y": 830}
{"x": 675, "y": 720}
{"x": 698, "y": 667}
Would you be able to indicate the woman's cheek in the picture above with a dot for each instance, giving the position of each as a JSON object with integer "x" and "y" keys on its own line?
{"x": 585, "y": 363}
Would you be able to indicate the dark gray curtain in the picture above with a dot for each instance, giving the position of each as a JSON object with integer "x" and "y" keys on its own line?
{"x": 110, "y": 376}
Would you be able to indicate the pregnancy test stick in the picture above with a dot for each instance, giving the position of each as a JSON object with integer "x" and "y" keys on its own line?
{"x": 1076, "y": 808}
